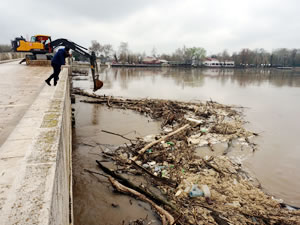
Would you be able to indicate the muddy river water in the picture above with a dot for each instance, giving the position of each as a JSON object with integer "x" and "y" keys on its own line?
{"x": 271, "y": 98}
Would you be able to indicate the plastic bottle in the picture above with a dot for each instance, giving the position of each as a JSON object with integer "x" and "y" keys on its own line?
{"x": 206, "y": 191}
{"x": 195, "y": 191}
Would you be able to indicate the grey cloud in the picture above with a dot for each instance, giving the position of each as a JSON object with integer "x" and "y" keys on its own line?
{"x": 165, "y": 24}
{"x": 105, "y": 11}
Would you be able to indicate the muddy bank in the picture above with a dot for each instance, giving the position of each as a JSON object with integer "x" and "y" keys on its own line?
{"x": 228, "y": 194}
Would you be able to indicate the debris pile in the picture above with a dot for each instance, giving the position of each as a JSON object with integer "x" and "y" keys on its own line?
{"x": 195, "y": 190}
{"x": 79, "y": 72}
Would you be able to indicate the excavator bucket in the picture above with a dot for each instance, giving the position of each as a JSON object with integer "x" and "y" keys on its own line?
{"x": 98, "y": 85}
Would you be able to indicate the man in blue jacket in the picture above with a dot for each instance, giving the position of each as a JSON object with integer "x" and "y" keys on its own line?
{"x": 57, "y": 61}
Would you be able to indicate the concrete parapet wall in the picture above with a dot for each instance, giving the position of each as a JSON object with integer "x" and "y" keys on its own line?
{"x": 35, "y": 162}
{"x": 12, "y": 55}
{"x": 39, "y": 63}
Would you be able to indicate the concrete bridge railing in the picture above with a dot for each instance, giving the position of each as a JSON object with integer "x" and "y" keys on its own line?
{"x": 35, "y": 162}
{"x": 11, "y": 55}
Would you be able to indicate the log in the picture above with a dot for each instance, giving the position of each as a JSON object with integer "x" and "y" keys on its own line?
{"x": 94, "y": 101}
{"x": 142, "y": 151}
{"x": 213, "y": 167}
{"x": 163, "y": 213}
{"x": 126, "y": 182}
{"x": 93, "y": 172}
{"x": 219, "y": 219}
{"x": 109, "y": 132}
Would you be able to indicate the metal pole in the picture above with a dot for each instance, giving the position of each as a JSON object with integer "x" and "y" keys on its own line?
{"x": 93, "y": 65}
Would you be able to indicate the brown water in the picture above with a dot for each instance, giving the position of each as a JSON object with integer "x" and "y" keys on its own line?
{"x": 271, "y": 98}
{"x": 95, "y": 203}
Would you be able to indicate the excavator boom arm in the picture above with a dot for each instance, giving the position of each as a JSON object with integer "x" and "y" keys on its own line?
{"x": 72, "y": 45}
{"x": 82, "y": 51}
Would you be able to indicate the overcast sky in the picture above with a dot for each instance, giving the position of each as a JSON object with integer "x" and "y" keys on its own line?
{"x": 164, "y": 24}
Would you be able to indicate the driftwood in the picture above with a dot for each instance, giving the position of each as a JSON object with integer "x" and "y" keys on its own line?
{"x": 216, "y": 119}
{"x": 166, "y": 217}
{"x": 108, "y": 104}
{"x": 94, "y": 101}
{"x": 126, "y": 182}
{"x": 213, "y": 167}
{"x": 93, "y": 172}
{"x": 105, "y": 131}
{"x": 142, "y": 151}
{"x": 221, "y": 220}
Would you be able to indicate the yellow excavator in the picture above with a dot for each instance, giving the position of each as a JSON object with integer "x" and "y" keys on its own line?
{"x": 37, "y": 43}
{"x": 41, "y": 47}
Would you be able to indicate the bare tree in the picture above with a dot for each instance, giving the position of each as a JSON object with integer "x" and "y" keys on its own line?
{"x": 96, "y": 47}
{"x": 116, "y": 57}
{"x": 123, "y": 52}
{"x": 178, "y": 55}
{"x": 107, "y": 50}
{"x": 247, "y": 57}
{"x": 153, "y": 52}
{"x": 224, "y": 56}
{"x": 166, "y": 57}
{"x": 293, "y": 57}
{"x": 280, "y": 56}
{"x": 187, "y": 54}
{"x": 5, "y": 48}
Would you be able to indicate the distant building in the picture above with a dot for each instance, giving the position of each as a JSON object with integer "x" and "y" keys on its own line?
{"x": 163, "y": 61}
{"x": 150, "y": 60}
{"x": 212, "y": 62}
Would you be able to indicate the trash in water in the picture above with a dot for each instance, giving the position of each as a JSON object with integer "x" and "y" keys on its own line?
{"x": 206, "y": 191}
{"x": 225, "y": 181}
{"x": 170, "y": 143}
{"x": 195, "y": 191}
{"x": 152, "y": 163}
{"x": 203, "y": 130}
{"x": 158, "y": 168}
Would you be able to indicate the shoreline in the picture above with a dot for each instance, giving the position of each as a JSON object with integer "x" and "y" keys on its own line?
{"x": 196, "y": 67}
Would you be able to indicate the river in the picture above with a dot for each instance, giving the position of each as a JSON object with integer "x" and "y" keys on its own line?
{"x": 271, "y": 101}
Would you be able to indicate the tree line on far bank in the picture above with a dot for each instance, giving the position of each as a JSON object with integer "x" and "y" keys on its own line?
{"x": 246, "y": 56}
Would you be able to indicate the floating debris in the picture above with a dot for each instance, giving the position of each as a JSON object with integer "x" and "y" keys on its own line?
{"x": 197, "y": 189}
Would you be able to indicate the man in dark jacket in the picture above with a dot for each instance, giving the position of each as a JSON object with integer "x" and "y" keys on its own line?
{"x": 57, "y": 61}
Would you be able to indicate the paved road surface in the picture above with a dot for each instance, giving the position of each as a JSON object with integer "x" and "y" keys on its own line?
{"x": 19, "y": 87}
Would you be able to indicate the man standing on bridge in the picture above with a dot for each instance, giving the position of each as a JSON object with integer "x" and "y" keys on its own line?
{"x": 57, "y": 61}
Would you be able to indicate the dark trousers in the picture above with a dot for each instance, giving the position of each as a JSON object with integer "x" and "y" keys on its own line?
{"x": 55, "y": 74}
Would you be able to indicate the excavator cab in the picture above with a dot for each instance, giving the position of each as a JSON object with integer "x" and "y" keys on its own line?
{"x": 41, "y": 39}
